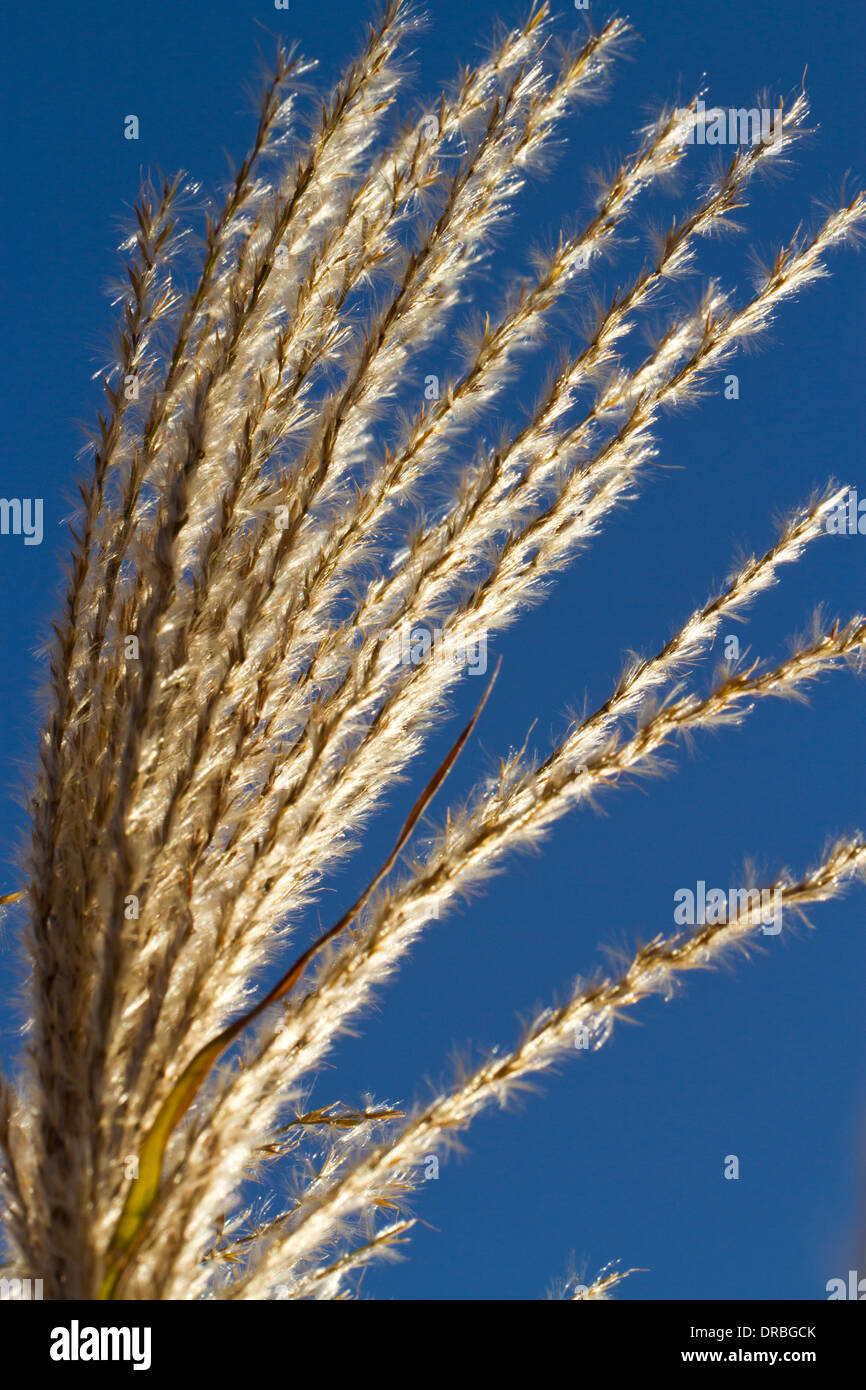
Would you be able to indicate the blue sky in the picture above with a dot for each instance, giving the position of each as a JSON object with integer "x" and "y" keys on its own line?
{"x": 621, "y": 1154}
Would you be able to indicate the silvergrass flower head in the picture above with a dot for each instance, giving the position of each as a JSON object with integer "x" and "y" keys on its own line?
{"x": 231, "y": 699}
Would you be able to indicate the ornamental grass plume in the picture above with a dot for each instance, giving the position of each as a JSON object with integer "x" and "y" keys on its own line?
{"x": 230, "y": 695}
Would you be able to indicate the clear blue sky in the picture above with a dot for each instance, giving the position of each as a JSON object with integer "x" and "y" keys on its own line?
{"x": 621, "y": 1154}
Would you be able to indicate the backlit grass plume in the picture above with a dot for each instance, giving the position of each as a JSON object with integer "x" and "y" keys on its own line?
{"x": 230, "y": 699}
